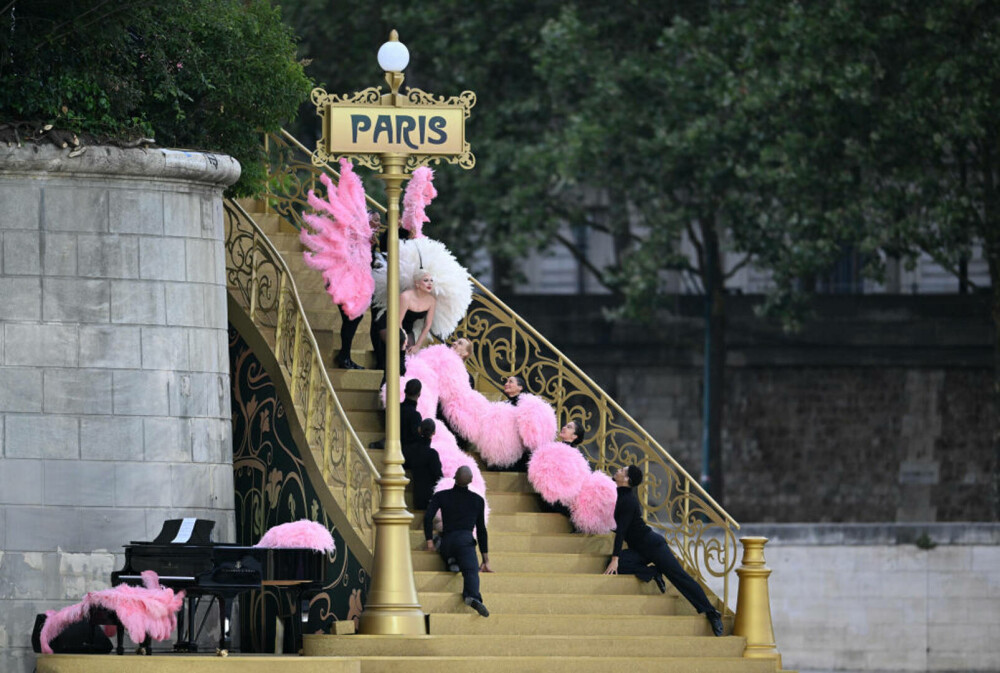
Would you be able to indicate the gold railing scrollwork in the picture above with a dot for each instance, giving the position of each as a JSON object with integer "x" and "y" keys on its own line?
{"x": 260, "y": 282}
{"x": 697, "y": 528}
{"x": 701, "y": 533}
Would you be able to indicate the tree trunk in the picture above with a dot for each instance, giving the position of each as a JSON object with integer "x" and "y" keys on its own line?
{"x": 991, "y": 250}
{"x": 715, "y": 362}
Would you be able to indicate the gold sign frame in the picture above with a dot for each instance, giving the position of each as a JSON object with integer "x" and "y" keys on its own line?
{"x": 372, "y": 99}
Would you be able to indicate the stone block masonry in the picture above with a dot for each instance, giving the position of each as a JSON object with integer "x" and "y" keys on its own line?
{"x": 114, "y": 371}
{"x": 859, "y": 598}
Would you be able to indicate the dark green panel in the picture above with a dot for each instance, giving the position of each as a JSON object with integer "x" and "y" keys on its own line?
{"x": 272, "y": 487}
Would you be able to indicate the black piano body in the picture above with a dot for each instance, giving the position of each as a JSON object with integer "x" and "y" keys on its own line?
{"x": 221, "y": 571}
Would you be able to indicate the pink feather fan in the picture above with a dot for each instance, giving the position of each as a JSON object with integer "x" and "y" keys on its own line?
{"x": 340, "y": 247}
{"x": 419, "y": 193}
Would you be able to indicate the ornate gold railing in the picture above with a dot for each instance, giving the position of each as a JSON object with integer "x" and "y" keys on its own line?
{"x": 695, "y": 525}
{"x": 698, "y": 529}
{"x": 260, "y": 282}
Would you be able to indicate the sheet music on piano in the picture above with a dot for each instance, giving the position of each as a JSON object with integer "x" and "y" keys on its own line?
{"x": 185, "y": 530}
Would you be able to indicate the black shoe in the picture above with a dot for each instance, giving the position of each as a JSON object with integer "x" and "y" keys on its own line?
{"x": 377, "y": 444}
{"x": 715, "y": 619}
{"x": 453, "y": 567}
{"x": 345, "y": 362}
{"x": 478, "y": 606}
{"x": 660, "y": 584}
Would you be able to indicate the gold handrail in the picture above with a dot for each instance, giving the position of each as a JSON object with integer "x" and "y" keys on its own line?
{"x": 260, "y": 282}
{"x": 696, "y": 526}
{"x": 698, "y": 529}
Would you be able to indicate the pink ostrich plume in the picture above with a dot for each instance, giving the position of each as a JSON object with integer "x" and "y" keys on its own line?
{"x": 419, "y": 194}
{"x": 340, "y": 248}
{"x": 149, "y": 610}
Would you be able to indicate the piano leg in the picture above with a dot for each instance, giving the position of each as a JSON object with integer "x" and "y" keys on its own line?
{"x": 225, "y": 614}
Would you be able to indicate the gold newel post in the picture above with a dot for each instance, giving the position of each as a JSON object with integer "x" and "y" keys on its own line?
{"x": 397, "y": 133}
{"x": 753, "y": 603}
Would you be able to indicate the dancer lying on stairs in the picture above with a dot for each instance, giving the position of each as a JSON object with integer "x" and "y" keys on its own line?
{"x": 648, "y": 547}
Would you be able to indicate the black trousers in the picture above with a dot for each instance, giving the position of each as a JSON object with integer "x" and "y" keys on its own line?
{"x": 460, "y": 547}
{"x": 654, "y": 549}
{"x": 348, "y": 328}
{"x": 379, "y": 346}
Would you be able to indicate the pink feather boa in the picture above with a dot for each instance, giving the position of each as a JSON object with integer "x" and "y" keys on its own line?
{"x": 444, "y": 441}
{"x": 149, "y": 610}
{"x": 303, "y": 534}
{"x": 419, "y": 193}
{"x": 341, "y": 248}
{"x": 502, "y": 432}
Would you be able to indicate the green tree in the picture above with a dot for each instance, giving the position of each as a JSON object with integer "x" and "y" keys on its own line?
{"x": 901, "y": 98}
{"x": 209, "y": 74}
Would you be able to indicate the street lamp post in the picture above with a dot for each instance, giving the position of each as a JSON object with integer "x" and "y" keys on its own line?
{"x": 396, "y": 133}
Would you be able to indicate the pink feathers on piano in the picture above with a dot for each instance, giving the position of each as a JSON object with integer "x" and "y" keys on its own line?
{"x": 304, "y": 534}
{"x": 340, "y": 248}
{"x": 419, "y": 194}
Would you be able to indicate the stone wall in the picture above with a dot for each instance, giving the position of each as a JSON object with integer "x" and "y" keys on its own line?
{"x": 866, "y": 598}
{"x": 114, "y": 383}
{"x": 880, "y": 410}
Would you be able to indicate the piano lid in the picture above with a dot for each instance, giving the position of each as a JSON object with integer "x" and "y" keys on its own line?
{"x": 185, "y": 531}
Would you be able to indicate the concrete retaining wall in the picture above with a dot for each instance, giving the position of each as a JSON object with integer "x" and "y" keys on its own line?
{"x": 866, "y": 598}
{"x": 114, "y": 371}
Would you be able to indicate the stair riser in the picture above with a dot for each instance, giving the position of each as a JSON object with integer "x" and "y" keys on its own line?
{"x": 563, "y": 544}
{"x": 522, "y": 523}
{"x": 556, "y": 625}
{"x": 569, "y": 604}
{"x": 500, "y": 582}
{"x": 527, "y": 563}
{"x": 524, "y": 646}
{"x": 563, "y": 665}
{"x": 512, "y": 482}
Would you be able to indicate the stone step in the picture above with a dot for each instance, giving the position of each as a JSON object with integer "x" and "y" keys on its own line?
{"x": 542, "y": 664}
{"x": 329, "y": 342}
{"x": 288, "y": 244}
{"x": 356, "y": 379}
{"x": 359, "y": 400}
{"x": 555, "y": 543}
{"x": 585, "y": 645}
{"x": 513, "y": 482}
{"x": 538, "y": 583}
{"x": 518, "y": 522}
{"x": 556, "y": 604}
{"x": 525, "y": 562}
{"x": 367, "y": 421}
{"x": 541, "y": 625}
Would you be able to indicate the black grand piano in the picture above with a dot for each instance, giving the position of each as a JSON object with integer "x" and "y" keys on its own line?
{"x": 184, "y": 557}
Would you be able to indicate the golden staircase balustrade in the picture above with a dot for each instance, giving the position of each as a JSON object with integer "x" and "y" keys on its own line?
{"x": 260, "y": 282}
{"x": 698, "y": 529}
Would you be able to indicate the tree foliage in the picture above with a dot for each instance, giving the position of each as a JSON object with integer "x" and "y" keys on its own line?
{"x": 206, "y": 74}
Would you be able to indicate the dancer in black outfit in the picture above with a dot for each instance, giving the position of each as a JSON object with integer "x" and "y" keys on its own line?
{"x": 424, "y": 464}
{"x": 348, "y": 327}
{"x": 461, "y": 510}
{"x": 645, "y": 547}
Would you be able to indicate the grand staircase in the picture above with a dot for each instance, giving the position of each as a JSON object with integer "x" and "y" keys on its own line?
{"x": 551, "y": 608}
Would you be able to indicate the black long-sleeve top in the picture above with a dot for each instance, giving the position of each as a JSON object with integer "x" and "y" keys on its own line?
{"x": 424, "y": 465}
{"x": 461, "y": 509}
{"x": 629, "y": 524}
{"x": 409, "y": 422}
